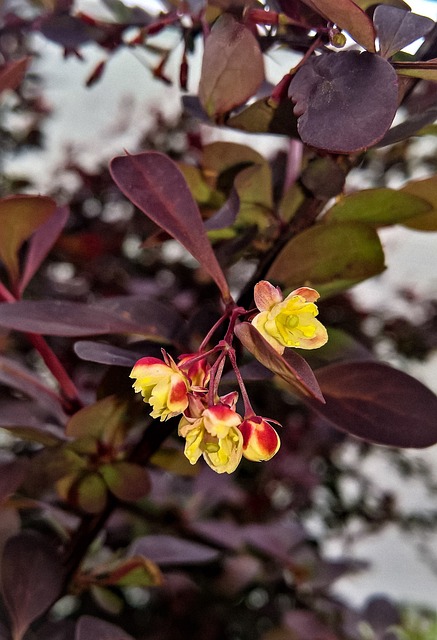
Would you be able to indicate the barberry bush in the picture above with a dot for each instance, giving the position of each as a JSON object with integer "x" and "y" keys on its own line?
{"x": 171, "y": 415}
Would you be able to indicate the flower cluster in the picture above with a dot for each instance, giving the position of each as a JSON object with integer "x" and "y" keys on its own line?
{"x": 209, "y": 423}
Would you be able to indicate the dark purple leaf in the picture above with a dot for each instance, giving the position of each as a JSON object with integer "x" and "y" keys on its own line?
{"x": 335, "y": 91}
{"x": 31, "y": 580}
{"x": 291, "y": 367}
{"x": 41, "y": 243}
{"x": 106, "y": 353}
{"x": 413, "y": 124}
{"x": 232, "y": 66}
{"x": 123, "y": 314}
{"x": 223, "y": 533}
{"x": 12, "y": 475}
{"x": 90, "y": 628}
{"x": 167, "y": 550}
{"x": 157, "y": 187}
{"x": 397, "y": 28}
{"x": 226, "y": 215}
{"x": 275, "y": 539}
{"x": 377, "y": 403}
{"x": 68, "y": 31}
{"x": 306, "y": 626}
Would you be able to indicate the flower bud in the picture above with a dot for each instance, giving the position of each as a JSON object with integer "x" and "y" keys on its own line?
{"x": 260, "y": 440}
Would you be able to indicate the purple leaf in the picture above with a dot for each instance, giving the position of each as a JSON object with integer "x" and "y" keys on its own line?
{"x": 107, "y": 354}
{"x": 377, "y": 403}
{"x": 167, "y": 550}
{"x": 232, "y": 66}
{"x": 41, "y": 243}
{"x": 291, "y": 367}
{"x": 90, "y": 628}
{"x": 157, "y": 187}
{"x": 335, "y": 91}
{"x": 414, "y": 123}
{"x": 12, "y": 475}
{"x": 275, "y": 539}
{"x": 305, "y": 625}
{"x": 31, "y": 580}
{"x": 398, "y": 28}
{"x": 226, "y": 215}
{"x": 125, "y": 314}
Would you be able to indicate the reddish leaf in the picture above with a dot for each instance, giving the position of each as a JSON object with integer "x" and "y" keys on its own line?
{"x": 232, "y": 67}
{"x": 167, "y": 550}
{"x": 348, "y": 16}
{"x": 90, "y": 628}
{"x": 290, "y": 366}
{"x": 157, "y": 187}
{"x": 41, "y": 243}
{"x": 126, "y": 314}
{"x": 306, "y": 626}
{"x": 377, "y": 403}
{"x": 136, "y": 571}
{"x": 12, "y": 475}
{"x": 398, "y": 28}
{"x": 20, "y": 217}
{"x": 334, "y": 91}
{"x": 31, "y": 580}
{"x": 12, "y": 73}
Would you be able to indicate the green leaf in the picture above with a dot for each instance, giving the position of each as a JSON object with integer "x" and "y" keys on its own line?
{"x": 102, "y": 420}
{"x": 323, "y": 177}
{"x": 174, "y": 461}
{"x": 263, "y": 117}
{"x": 90, "y": 493}
{"x": 425, "y": 70}
{"x": 126, "y": 480}
{"x": 329, "y": 257}
{"x": 232, "y": 66}
{"x": 426, "y": 189}
{"x": 136, "y": 571}
{"x": 377, "y": 207}
{"x": 20, "y": 217}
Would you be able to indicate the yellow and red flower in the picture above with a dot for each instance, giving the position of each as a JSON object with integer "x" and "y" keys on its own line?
{"x": 260, "y": 440}
{"x": 163, "y": 385}
{"x": 291, "y": 322}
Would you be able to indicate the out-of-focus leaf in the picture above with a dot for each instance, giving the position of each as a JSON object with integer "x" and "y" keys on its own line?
{"x": 101, "y": 420}
{"x": 156, "y": 186}
{"x": 31, "y": 579}
{"x": 167, "y": 551}
{"x": 329, "y": 257}
{"x": 12, "y": 475}
{"x": 348, "y": 16}
{"x": 232, "y": 66}
{"x": 42, "y": 435}
{"x": 136, "y": 571}
{"x": 126, "y": 480}
{"x": 90, "y": 628}
{"x": 89, "y": 493}
{"x": 106, "y": 353}
{"x": 20, "y": 217}
{"x": 379, "y": 404}
{"x": 366, "y": 4}
{"x": 290, "y": 366}
{"x": 262, "y": 117}
{"x": 397, "y": 28}
{"x": 306, "y": 626}
{"x": 200, "y": 189}
{"x": 174, "y": 461}
{"x": 41, "y": 243}
{"x": 426, "y": 189}
{"x": 334, "y": 91}
{"x": 127, "y": 314}
{"x": 340, "y": 347}
{"x": 274, "y": 539}
{"x": 426, "y": 70}
{"x": 226, "y": 215}
{"x": 12, "y": 73}
{"x": 410, "y": 127}
{"x": 221, "y": 159}
{"x": 323, "y": 177}
{"x": 377, "y": 207}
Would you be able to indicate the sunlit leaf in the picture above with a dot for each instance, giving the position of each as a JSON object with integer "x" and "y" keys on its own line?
{"x": 232, "y": 66}
{"x": 168, "y": 550}
{"x": 290, "y": 366}
{"x": 426, "y": 189}
{"x": 90, "y": 628}
{"x": 398, "y": 28}
{"x": 330, "y": 257}
{"x": 348, "y": 16}
{"x": 31, "y": 579}
{"x": 334, "y": 91}
{"x": 156, "y": 186}
{"x": 126, "y": 480}
{"x": 379, "y": 404}
{"x": 377, "y": 207}
{"x": 20, "y": 217}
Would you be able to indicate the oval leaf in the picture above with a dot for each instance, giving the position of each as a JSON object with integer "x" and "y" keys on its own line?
{"x": 329, "y": 257}
{"x": 334, "y": 91}
{"x": 378, "y": 207}
{"x": 167, "y": 550}
{"x": 232, "y": 66}
{"x": 31, "y": 580}
{"x": 114, "y": 315}
{"x": 290, "y": 366}
{"x": 90, "y": 628}
{"x": 426, "y": 189}
{"x": 398, "y": 28}
{"x": 155, "y": 185}
{"x": 126, "y": 480}
{"x": 20, "y": 217}
{"x": 379, "y": 404}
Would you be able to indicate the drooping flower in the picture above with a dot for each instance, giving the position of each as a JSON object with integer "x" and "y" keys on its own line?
{"x": 215, "y": 436}
{"x": 197, "y": 372}
{"x": 260, "y": 440}
{"x": 163, "y": 385}
{"x": 291, "y": 322}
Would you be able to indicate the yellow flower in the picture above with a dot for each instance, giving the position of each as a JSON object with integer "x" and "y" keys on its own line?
{"x": 162, "y": 385}
{"x": 291, "y": 322}
{"x": 260, "y": 440}
{"x": 216, "y": 436}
